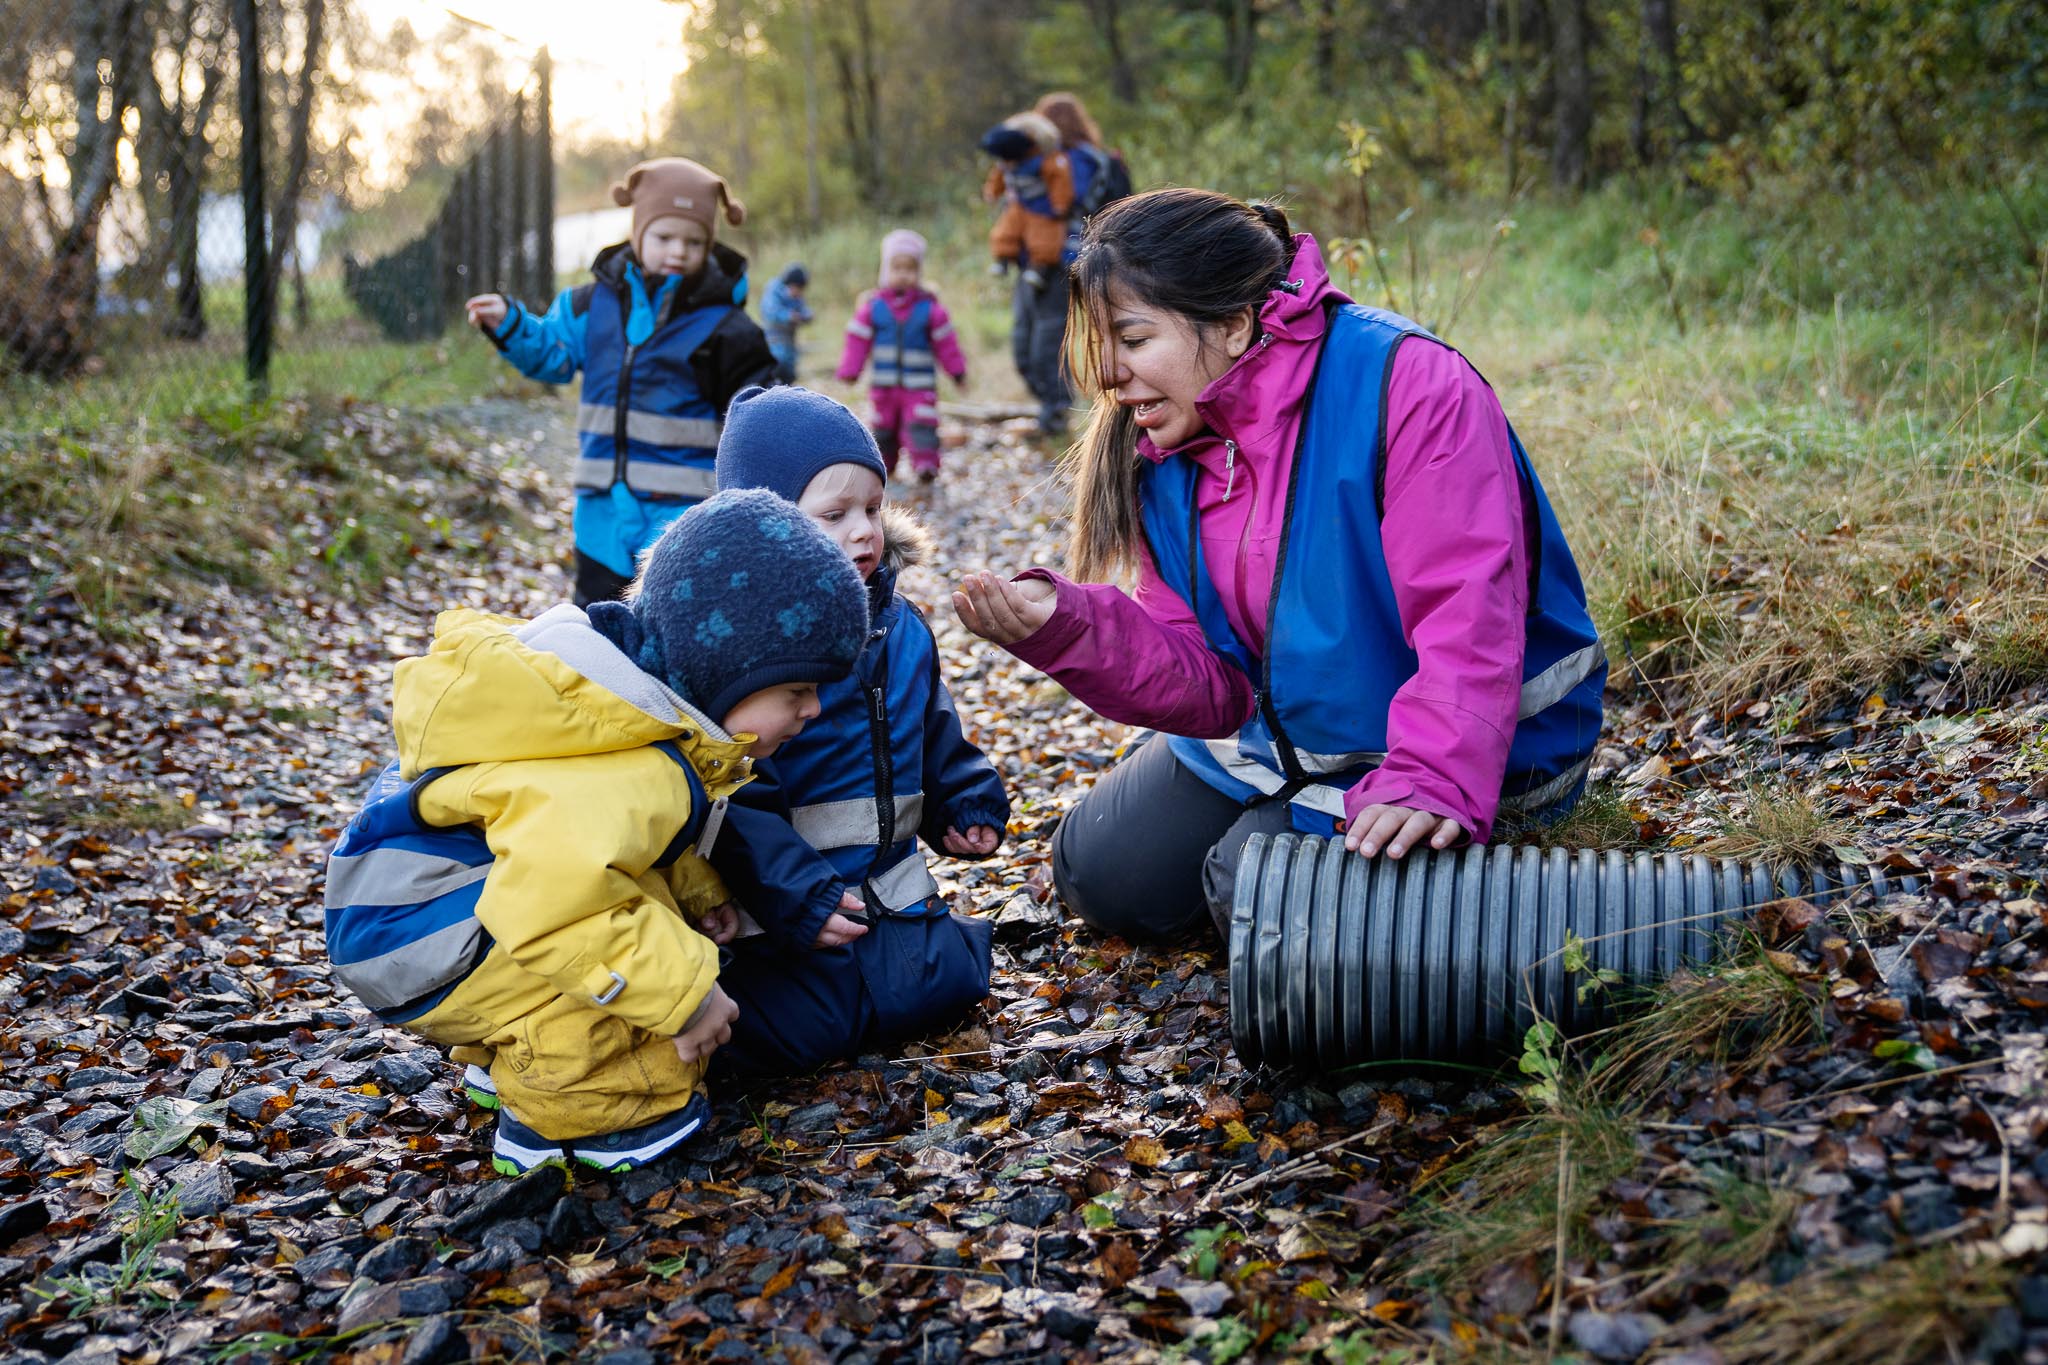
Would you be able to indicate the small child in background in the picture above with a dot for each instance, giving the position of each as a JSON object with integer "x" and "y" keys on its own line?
{"x": 858, "y": 949}
{"x": 527, "y": 883}
{"x": 1036, "y": 186}
{"x": 783, "y": 310}
{"x": 902, "y": 328}
{"x": 663, "y": 346}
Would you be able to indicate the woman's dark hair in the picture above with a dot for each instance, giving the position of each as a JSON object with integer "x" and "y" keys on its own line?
{"x": 1201, "y": 255}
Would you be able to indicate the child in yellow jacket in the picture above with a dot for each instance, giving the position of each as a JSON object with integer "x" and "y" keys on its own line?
{"x": 527, "y": 883}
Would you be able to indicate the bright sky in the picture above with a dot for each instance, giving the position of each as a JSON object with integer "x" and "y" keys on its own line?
{"x": 614, "y": 59}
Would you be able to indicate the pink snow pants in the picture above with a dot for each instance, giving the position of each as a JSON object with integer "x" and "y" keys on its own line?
{"x": 905, "y": 418}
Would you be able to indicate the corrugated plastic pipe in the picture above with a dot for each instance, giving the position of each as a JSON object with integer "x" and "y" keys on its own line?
{"x": 1337, "y": 959}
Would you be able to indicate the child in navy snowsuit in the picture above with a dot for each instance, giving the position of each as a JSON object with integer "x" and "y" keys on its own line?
{"x": 900, "y": 332}
{"x": 783, "y": 311}
{"x": 858, "y": 948}
{"x": 663, "y": 347}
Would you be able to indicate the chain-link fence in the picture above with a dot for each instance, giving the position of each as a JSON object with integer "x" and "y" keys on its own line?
{"x": 201, "y": 200}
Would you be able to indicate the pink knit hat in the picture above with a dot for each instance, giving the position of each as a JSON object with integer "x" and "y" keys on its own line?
{"x": 901, "y": 242}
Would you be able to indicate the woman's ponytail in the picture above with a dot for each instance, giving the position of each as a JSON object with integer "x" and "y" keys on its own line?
{"x": 1275, "y": 219}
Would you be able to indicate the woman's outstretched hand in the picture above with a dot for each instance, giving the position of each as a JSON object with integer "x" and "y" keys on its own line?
{"x": 1001, "y": 611}
{"x": 1398, "y": 829}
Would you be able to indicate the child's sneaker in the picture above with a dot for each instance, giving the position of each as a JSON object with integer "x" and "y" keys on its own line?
{"x": 1036, "y": 279}
{"x": 998, "y": 269}
{"x": 477, "y": 1084}
{"x": 516, "y": 1148}
{"x": 927, "y": 476}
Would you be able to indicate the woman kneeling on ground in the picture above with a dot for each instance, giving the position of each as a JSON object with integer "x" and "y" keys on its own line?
{"x": 1354, "y": 611}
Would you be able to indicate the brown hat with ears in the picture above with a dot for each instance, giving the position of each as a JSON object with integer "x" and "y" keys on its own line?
{"x": 676, "y": 187}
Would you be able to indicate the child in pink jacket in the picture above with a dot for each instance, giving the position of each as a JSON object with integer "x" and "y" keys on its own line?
{"x": 901, "y": 332}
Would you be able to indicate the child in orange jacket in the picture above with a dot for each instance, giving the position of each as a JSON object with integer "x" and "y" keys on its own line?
{"x": 1037, "y": 189}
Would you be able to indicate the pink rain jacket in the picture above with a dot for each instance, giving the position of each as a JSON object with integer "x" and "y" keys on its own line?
{"x": 1455, "y": 544}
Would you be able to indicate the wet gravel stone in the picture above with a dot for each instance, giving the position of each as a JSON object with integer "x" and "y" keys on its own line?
{"x": 495, "y": 1201}
{"x": 396, "y": 1259}
{"x": 435, "y": 1342}
{"x": 402, "y": 1074}
{"x": 1036, "y": 1208}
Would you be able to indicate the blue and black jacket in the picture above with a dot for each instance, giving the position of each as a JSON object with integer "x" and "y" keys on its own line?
{"x": 782, "y": 312}
{"x": 842, "y": 806}
{"x": 659, "y": 371}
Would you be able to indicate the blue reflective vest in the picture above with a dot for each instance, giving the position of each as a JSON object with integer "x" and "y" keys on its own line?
{"x": 902, "y": 357}
{"x": 1336, "y": 651}
{"x": 644, "y": 421}
{"x": 402, "y": 929}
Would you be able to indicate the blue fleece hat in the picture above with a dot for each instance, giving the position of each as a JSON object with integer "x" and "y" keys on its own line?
{"x": 779, "y": 438}
{"x": 1005, "y": 143}
{"x": 741, "y": 593}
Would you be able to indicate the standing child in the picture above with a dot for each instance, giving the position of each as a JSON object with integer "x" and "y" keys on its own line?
{"x": 663, "y": 347}
{"x": 904, "y": 328}
{"x": 526, "y": 883}
{"x": 1036, "y": 184}
{"x": 783, "y": 310}
{"x": 859, "y": 948}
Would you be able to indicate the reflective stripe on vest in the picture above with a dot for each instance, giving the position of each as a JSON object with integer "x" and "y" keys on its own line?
{"x": 902, "y": 356}
{"x": 847, "y": 824}
{"x": 906, "y": 884}
{"x": 401, "y": 895}
{"x": 1328, "y": 800}
{"x": 649, "y": 476}
{"x": 1324, "y": 701}
{"x": 651, "y": 427}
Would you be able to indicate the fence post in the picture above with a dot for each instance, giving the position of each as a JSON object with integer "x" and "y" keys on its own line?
{"x": 521, "y": 282}
{"x": 544, "y": 178}
{"x": 257, "y": 285}
{"x": 447, "y": 279}
{"x": 497, "y": 212}
{"x": 473, "y": 225}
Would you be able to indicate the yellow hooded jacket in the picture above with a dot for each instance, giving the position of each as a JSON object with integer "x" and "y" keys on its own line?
{"x": 550, "y": 729}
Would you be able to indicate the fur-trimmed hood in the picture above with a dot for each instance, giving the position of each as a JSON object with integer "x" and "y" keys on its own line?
{"x": 905, "y": 541}
{"x": 905, "y": 544}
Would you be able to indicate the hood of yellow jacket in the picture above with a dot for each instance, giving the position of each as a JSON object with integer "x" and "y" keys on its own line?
{"x": 496, "y": 689}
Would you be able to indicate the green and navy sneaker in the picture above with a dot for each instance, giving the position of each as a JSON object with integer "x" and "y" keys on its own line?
{"x": 516, "y": 1148}
{"x": 477, "y": 1084}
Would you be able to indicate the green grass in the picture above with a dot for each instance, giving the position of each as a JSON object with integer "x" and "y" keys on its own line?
{"x": 105, "y": 1285}
{"x": 1777, "y": 824}
{"x": 1834, "y": 470}
{"x": 1602, "y": 819}
{"x": 145, "y": 515}
{"x": 104, "y": 813}
{"x": 1929, "y": 1305}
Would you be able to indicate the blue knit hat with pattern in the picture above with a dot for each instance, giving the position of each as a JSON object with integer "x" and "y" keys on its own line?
{"x": 741, "y": 593}
{"x": 780, "y": 438}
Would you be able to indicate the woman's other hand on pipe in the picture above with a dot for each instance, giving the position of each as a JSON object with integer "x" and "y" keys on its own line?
{"x": 1398, "y": 829}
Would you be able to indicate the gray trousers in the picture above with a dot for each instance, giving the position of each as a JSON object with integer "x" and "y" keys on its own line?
{"x": 1038, "y": 335}
{"x": 1151, "y": 852}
